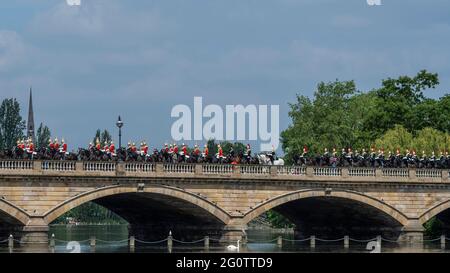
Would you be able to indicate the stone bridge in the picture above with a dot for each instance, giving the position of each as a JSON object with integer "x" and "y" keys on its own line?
{"x": 195, "y": 200}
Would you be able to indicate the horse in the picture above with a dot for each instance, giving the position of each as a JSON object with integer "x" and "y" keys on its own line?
{"x": 265, "y": 160}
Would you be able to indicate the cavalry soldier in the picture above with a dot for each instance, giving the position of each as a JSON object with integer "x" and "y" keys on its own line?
{"x": 205, "y": 152}
{"x": 272, "y": 155}
{"x": 196, "y": 150}
{"x": 133, "y": 148}
{"x": 91, "y": 146}
{"x": 343, "y": 153}
{"x": 364, "y": 153}
{"x": 106, "y": 147}
{"x": 166, "y": 148}
{"x": 112, "y": 149}
{"x": 433, "y": 159}
{"x": 31, "y": 147}
{"x": 19, "y": 145}
{"x": 22, "y": 145}
{"x": 423, "y": 159}
{"x": 171, "y": 149}
{"x": 350, "y": 153}
{"x": 184, "y": 149}
{"x": 380, "y": 157}
{"x": 97, "y": 145}
{"x": 56, "y": 144}
{"x": 51, "y": 145}
{"x": 326, "y": 153}
{"x": 145, "y": 148}
{"x": 305, "y": 151}
{"x": 64, "y": 146}
{"x": 175, "y": 148}
{"x": 248, "y": 153}
{"x": 219, "y": 153}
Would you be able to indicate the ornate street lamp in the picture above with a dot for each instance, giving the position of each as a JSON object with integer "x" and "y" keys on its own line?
{"x": 119, "y": 124}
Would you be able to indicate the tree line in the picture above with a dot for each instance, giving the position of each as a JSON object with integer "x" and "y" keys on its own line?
{"x": 396, "y": 115}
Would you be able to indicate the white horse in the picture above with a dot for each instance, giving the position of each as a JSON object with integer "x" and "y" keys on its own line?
{"x": 265, "y": 160}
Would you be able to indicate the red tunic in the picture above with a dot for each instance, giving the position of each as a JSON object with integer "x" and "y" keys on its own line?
{"x": 196, "y": 151}
{"x": 106, "y": 148}
{"x": 98, "y": 147}
{"x": 56, "y": 146}
{"x": 31, "y": 148}
{"x": 64, "y": 147}
{"x": 145, "y": 149}
{"x": 206, "y": 151}
{"x": 112, "y": 148}
{"x": 52, "y": 146}
{"x": 133, "y": 149}
{"x": 185, "y": 150}
{"x": 175, "y": 150}
{"x": 220, "y": 152}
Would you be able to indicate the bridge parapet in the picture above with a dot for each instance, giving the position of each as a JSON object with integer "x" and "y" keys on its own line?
{"x": 259, "y": 172}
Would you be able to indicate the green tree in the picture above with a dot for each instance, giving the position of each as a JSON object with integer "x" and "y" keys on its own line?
{"x": 11, "y": 123}
{"x": 396, "y": 138}
{"x": 324, "y": 121}
{"x": 42, "y": 136}
{"x": 429, "y": 140}
{"x": 103, "y": 137}
{"x": 398, "y": 102}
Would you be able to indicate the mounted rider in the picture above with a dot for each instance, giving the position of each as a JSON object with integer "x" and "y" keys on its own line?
{"x": 304, "y": 155}
{"x": 433, "y": 159}
{"x": 196, "y": 153}
{"x": 56, "y": 144}
{"x": 205, "y": 152}
{"x": 248, "y": 153}
{"x": 112, "y": 148}
{"x": 220, "y": 156}
{"x": 63, "y": 148}
{"x": 380, "y": 157}
{"x": 106, "y": 147}
{"x": 97, "y": 145}
{"x": 272, "y": 155}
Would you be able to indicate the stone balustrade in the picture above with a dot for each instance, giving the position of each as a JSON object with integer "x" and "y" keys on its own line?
{"x": 141, "y": 169}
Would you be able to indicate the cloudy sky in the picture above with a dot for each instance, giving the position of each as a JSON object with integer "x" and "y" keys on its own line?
{"x": 88, "y": 64}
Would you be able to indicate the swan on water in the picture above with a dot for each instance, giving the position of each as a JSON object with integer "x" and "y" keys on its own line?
{"x": 234, "y": 247}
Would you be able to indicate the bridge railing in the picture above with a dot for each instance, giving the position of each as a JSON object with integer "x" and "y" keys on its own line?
{"x": 319, "y": 171}
{"x": 58, "y": 165}
{"x": 361, "y": 172}
{"x": 254, "y": 170}
{"x": 16, "y": 165}
{"x": 429, "y": 173}
{"x": 99, "y": 166}
{"x": 291, "y": 170}
{"x": 217, "y": 169}
{"x": 395, "y": 172}
{"x": 142, "y": 169}
{"x": 179, "y": 168}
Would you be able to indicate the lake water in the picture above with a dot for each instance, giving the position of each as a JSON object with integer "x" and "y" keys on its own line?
{"x": 114, "y": 239}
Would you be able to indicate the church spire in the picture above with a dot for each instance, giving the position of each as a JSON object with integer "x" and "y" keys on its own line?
{"x": 30, "y": 125}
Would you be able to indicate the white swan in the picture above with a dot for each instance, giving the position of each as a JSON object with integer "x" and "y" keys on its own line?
{"x": 233, "y": 247}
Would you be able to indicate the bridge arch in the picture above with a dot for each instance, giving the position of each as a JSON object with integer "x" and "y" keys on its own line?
{"x": 14, "y": 213}
{"x": 343, "y": 194}
{"x": 434, "y": 210}
{"x": 221, "y": 215}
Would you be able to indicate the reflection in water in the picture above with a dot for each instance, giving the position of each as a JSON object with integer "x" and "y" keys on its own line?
{"x": 114, "y": 239}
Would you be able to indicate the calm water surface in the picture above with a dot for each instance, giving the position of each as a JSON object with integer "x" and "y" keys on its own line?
{"x": 113, "y": 239}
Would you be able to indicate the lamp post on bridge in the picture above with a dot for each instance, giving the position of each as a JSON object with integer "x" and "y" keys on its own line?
{"x": 119, "y": 124}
